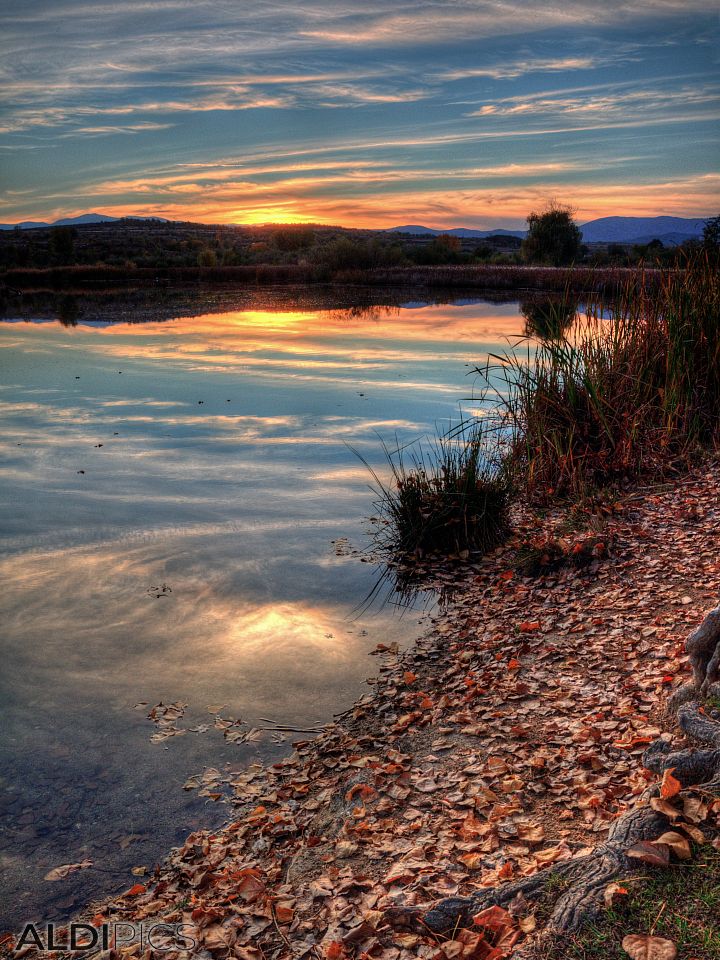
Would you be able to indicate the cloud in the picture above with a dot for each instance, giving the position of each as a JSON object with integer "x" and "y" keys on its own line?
{"x": 481, "y": 205}
{"x": 131, "y": 128}
{"x": 312, "y": 109}
{"x": 632, "y": 103}
{"x": 519, "y": 68}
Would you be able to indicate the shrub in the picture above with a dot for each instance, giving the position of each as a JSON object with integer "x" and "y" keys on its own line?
{"x": 450, "y": 500}
{"x": 207, "y": 257}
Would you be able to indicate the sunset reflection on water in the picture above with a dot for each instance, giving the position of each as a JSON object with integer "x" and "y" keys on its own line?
{"x": 208, "y": 454}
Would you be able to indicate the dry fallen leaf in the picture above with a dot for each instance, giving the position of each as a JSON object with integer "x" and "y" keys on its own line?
{"x": 679, "y": 844}
{"x": 667, "y": 809}
{"x": 641, "y": 946}
{"x": 670, "y": 786}
{"x": 613, "y": 891}
{"x": 657, "y": 854}
{"x": 59, "y": 873}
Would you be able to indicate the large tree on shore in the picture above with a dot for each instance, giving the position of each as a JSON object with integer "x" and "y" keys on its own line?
{"x": 553, "y": 236}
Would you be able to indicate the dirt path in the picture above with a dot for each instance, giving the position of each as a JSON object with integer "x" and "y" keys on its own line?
{"x": 506, "y": 740}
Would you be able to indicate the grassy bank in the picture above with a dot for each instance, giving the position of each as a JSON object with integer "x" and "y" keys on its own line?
{"x": 680, "y": 904}
{"x": 629, "y": 390}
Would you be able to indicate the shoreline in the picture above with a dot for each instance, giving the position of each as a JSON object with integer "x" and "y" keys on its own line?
{"x": 492, "y": 277}
{"x": 506, "y": 739}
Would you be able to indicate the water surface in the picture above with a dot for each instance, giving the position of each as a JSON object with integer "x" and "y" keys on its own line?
{"x": 179, "y": 517}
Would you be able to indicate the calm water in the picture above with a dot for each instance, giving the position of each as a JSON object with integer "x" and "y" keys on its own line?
{"x": 203, "y": 458}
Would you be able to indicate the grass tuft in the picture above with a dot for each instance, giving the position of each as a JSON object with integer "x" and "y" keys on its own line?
{"x": 681, "y": 904}
{"x": 449, "y": 500}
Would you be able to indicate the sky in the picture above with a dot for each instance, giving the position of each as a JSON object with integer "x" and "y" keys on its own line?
{"x": 366, "y": 114}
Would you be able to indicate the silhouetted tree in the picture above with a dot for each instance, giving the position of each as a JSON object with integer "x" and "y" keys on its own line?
{"x": 62, "y": 244}
{"x": 711, "y": 234}
{"x": 553, "y": 237}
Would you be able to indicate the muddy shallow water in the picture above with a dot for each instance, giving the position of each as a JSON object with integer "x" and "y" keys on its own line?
{"x": 181, "y": 510}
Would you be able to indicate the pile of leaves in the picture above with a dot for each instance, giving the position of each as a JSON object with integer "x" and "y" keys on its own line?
{"x": 547, "y": 553}
{"x": 506, "y": 740}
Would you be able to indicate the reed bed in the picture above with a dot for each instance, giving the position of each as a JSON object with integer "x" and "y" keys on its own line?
{"x": 627, "y": 390}
{"x": 630, "y": 390}
{"x": 496, "y": 277}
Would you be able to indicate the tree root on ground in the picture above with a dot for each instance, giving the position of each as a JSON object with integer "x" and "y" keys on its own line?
{"x": 576, "y": 887}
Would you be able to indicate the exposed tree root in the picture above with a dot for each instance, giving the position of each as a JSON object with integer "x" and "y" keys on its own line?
{"x": 577, "y": 886}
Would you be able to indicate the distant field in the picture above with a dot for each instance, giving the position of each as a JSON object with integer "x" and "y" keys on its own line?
{"x": 136, "y": 250}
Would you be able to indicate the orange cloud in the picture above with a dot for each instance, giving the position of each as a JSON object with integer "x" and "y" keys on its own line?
{"x": 298, "y": 202}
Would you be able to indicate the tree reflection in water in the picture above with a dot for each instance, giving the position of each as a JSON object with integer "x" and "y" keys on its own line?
{"x": 548, "y": 318}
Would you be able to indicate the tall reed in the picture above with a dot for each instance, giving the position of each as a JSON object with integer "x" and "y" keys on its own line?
{"x": 631, "y": 389}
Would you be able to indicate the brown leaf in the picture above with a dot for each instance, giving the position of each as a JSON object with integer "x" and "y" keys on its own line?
{"x": 658, "y": 854}
{"x": 59, "y": 873}
{"x": 667, "y": 809}
{"x": 694, "y": 809}
{"x": 494, "y": 918}
{"x": 641, "y": 946}
{"x": 679, "y": 844}
{"x": 250, "y": 885}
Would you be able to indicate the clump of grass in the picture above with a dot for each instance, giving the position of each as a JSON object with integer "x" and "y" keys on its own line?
{"x": 632, "y": 389}
{"x": 681, "y": 904}
{"x": 448, "y": 499}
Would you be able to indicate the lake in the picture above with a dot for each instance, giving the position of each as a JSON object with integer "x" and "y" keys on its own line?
{"x": 182, "y": 520}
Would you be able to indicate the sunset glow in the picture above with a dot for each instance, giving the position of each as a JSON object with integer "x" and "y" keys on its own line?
{"x": 455, "y": 113}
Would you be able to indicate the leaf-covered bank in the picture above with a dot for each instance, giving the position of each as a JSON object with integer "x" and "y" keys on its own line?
{"x": 509, "y": 739}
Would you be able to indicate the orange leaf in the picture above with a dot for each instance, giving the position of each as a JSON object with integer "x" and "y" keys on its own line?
{"x": 670, "y": 785}
{"x": 335, "y": 950}
{"x": 493, "y": 918}
{"x": 529, "y": 626}
{"x": 409, "y": 678}
{"x": 136, "y": 890}
{"x": 632, "y": 743}
{"x": 284, "y": 914}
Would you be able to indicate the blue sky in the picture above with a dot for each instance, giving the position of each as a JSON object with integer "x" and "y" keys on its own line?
{"x": 447, "y": 112}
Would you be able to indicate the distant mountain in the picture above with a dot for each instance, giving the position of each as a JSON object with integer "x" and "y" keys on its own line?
{"x": 25, "y": 225}
{"x": 673, "y": 239}
{"x": 455, "y": 232}
{"x": 671, "y": 230}
{"x": 84, "y": 218}
{"x": 417, "y": 231}
{"x": 73, "y": 221}
{"x": 640, "y": 229}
